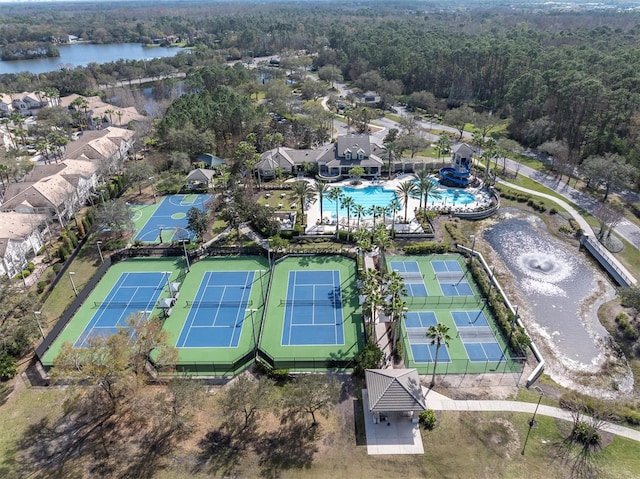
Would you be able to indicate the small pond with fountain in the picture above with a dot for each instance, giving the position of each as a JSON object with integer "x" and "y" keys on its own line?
{"x": 559, "y": 292}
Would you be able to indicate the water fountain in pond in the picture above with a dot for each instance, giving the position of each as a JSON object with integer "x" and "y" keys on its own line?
{"x": 558, "y": 285}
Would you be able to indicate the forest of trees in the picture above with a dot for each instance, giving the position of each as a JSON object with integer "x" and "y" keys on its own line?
{"x": 557, "y": 76}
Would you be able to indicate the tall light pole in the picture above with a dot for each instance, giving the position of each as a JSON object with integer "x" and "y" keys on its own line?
{"x": 532, "y": 421}
{"x": 36, "y": 315}
{"x": 253, "y": 329}
{"x": 73, "y": 285}
{"x": 186, "y": 256}
{"x": 98, "y": 243}
{"x": 153, "y": 187}
{"x": 262, "y": 271}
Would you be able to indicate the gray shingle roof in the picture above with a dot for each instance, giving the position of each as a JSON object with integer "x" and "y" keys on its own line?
{"x": 394, "y": 390}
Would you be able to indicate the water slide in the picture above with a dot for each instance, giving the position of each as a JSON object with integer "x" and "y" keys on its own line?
{"x": 451, "y": 177}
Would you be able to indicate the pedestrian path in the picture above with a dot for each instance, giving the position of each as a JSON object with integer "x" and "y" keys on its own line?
{"x": 439, "y": 402}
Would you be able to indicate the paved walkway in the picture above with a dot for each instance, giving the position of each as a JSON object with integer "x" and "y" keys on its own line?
{"x": 439, "y": 402}
{"x": 576, "y": 215}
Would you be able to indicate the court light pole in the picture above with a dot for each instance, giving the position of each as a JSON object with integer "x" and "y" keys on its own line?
{"x": 186, "y": 256}
{"x": 262, "y": 272}
{"x": 532, "y": 421}
{"x": 73, "y": 285}
{"x": 153, "y": 188}
{"x": 253, "y": 329}
{"x": 98, "y": 243}
{"x": 36, "y": 314}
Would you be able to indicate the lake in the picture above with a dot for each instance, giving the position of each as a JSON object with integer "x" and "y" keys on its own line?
{"x": 81, "y": 54}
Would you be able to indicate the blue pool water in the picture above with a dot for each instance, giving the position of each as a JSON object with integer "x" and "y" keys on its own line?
{"x": 453, "y": 196}
{"x": 378, "y": 196}
{"x": 368, "y": 196}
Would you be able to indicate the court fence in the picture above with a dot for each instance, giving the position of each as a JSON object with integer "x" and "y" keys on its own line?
{"x": 456, "y": 370}
{"x": 73, "y": 307}
{"x": 220, "y": 369}
{"x": 307, "y": 364}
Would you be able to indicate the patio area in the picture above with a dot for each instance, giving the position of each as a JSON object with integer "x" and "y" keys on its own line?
{"x": 395, "y": 435}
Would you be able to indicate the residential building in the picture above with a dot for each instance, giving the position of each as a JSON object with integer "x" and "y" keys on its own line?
{"x": 21, "y": 237}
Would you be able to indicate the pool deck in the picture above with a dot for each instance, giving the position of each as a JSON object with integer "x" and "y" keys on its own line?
{"x": 412, "y": 226}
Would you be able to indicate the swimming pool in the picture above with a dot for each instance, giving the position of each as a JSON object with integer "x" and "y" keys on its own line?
{"x": 368, "y": 196}
{"x": 452, "y": 197}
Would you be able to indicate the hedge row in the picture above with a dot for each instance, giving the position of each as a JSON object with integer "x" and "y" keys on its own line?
{"x": 502, "y": 314}
{"x": 426, "y": 248}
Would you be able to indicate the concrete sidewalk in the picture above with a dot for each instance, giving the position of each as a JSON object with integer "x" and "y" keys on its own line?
{"x": 439, "y": 402}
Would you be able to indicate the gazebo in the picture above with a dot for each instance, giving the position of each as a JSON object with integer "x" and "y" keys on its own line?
{"x": 200, "y": 176}
{"x": 394, "y": 391}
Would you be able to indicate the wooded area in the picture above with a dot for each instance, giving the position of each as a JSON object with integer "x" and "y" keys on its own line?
{"x": 560, "y": 76}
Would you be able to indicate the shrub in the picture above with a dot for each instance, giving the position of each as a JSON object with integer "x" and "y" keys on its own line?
{"x": 56, "y": 267}
{"x": 31, "y": 266}
{"x": 8, "y": 366}
{"x": 428, "y": 419}
{"x": 369, "y": 357}
{"x": 425, "y": 248}
{"x": 114, "y": 244}
{"x": 553, "y": 211}
{"x": 41, "y": 286}
{"x": 63, "y": 252}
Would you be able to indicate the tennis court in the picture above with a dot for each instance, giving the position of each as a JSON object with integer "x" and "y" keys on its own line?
{"x": 132, "y": 293}
{"x": 313, "y": 320}
{"x": 217, "y": 312}
{"x": 417, "y": 324}
{"x": 166, "y": 221}
{"x": 476, "y": 335}
{"x": 313, "y": 309}
{"x": 413, "y": 278}
{"x": 451, "y": 278}
{"x": 454, "y": 301}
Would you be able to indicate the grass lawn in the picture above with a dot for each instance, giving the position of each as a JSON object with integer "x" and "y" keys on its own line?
{"x": 463, "y": 445}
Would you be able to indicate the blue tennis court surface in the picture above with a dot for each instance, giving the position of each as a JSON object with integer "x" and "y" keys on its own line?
{"x": 451, "y": 278}
{"x": 417, "y": 324}
{"x": 478, "y": 338}
{"x": 313, "y": 309}
{"x": 132, "y": 293}
{"x": 412, "y": 276}
{"x": 420, "y": 319}
{"x": 218, "y": 310}
{"x": 469, "y": 318}
{"x": 447, "y": 266}
{"x": 170, "y": 218}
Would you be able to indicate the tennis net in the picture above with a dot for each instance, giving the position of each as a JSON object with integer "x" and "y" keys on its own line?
{"x": 412, "y": 276}
{"x": 451, "y": 275}
{"x": 478, "y": 334}
{"x": 219, "y": 304}
{"x": 418, "y": 336}
{"x": 140, "y": 305}
{"x": 311, "y": 302}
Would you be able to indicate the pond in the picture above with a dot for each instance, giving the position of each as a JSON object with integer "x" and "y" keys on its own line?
{"x": 558, "y": 284}
{"x": 81, "y": 54}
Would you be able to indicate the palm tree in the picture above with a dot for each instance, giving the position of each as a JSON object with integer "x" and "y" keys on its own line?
{"x": 372, "y": 290}
{"x": 422, "y": 178}
{"x": 406, "y": 190}
{"x": 335, "y": 195}
{"x": 438, "y": 334}
{"x": 320, "y": 189}
{"x": 426, "y": 189}
{"x": 303, "y": 192}
{"x": 360, "y": 211}
{"x": 110, "y": 112}
{"x": 394, "y": 206}
{"x": 348, "y": 203}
